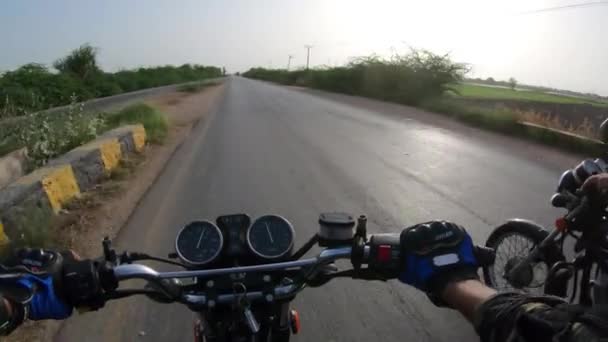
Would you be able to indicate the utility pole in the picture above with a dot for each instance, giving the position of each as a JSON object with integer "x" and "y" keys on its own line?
{"x": 289, "y": 58}
{"x": 308, "y": 47}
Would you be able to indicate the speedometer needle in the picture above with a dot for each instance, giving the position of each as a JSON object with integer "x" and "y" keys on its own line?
{"x": 200, "y": 238}
{"x": 269, "y": 235}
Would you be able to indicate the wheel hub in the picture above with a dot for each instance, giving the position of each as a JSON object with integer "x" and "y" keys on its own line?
{"x": 523, "y": 278}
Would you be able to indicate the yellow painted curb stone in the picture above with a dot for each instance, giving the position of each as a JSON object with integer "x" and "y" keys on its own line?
{"x": 110, "y": 153}
{"x": 60, "y": 186}
{"x": 58, "y": 183}
{"x": 139, "y": 137}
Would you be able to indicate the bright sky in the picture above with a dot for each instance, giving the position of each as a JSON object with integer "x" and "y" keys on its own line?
{"x": 564, "y": 49}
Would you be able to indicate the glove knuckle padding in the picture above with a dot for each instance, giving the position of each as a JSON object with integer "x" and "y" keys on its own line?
{"x": 432, "y": 238}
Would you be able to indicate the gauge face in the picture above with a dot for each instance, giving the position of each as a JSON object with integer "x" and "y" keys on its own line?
{"x": 270, "y": 237}
{"x": 199, "y": 243}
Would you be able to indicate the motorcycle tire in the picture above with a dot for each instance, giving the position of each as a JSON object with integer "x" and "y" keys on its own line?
{"x": 524, "y": 230}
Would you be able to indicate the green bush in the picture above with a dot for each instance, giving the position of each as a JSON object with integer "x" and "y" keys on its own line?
{"x": 33, "y": 87}
{"x": 47, "y": 136}
{"x": 409, "y": 78}
{"x": 155, "y": 122}
{"x": 50, "y": 135}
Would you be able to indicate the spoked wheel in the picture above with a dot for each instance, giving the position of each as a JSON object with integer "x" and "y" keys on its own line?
{"x": 512, "y": 242}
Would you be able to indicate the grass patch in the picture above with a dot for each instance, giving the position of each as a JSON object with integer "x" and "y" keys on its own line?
{"x": 8, "y": 146}
{"x": 126, "y": 167}
{"x": 195, "y": 87}
{"x": 78, "y": 217}
{"x": 154, "y": 121}
{"x": 500, "y": 119}
{"x": 506, "y": 121}
{"x": 499, "y": 93}
{"x": 585, "y": 128}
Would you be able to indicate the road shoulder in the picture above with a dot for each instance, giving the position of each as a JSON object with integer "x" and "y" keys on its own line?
{"x": 550, "y": 157}
{"x": 105, "y": 210}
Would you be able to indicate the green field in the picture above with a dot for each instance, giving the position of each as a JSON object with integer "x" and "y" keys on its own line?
{"x": 483, "y": 92}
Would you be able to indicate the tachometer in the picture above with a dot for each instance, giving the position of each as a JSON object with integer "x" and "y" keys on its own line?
{"x": 199, "y": 243}
{"x": 270, "y": 237}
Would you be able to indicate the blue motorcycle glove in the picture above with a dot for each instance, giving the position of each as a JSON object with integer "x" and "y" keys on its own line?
{"x": 436, "y": 253}
{"x": 45, "y": 304}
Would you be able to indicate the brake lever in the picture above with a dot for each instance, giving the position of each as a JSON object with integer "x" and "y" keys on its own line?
{"x": 321, "y": 279}
{"x": 128, "y": 258}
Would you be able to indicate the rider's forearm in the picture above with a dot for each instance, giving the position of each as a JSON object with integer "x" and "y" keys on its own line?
{"x": 510, "y": 316}
{"x": 467, "y": 296}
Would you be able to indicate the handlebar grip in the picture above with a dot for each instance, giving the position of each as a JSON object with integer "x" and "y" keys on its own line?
{"x": 385, "y": 253}
{"x": 84, "y": 282}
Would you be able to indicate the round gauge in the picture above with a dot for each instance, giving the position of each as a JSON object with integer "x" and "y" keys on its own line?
{"x": 270, "y": 237}
{"x": 199, "y": 242}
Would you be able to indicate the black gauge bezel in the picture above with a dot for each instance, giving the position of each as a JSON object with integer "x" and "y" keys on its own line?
{"x": 209, "y": 260}
{"x": 271, "y": 257}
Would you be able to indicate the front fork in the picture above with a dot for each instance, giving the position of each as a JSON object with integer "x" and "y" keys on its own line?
{"x": 266, "y": 330}
{"x": 532, "y": 256}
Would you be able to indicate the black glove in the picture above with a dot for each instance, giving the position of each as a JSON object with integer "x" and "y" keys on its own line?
{"x": 572, "y": 180}
{"x": 596, "y": 188}
{"x": 435, "y": 254}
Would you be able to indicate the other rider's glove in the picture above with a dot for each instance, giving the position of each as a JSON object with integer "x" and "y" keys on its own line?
{"x": 435, "y": 254}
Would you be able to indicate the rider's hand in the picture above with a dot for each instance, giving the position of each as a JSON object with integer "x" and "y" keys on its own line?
{"x": 596, "y": 187}
{"x": 435, "y": 254}
{"x": 46, "y": 302}
{"x": 571, "y": 180}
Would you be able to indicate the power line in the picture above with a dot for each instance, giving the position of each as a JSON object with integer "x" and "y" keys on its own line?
{"x": 559, "y": 8}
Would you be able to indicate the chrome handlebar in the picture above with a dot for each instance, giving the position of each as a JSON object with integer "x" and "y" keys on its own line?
{"x": 138, "y": 271}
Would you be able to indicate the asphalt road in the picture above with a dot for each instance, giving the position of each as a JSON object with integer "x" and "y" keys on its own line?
{"x": 270, "y": 149}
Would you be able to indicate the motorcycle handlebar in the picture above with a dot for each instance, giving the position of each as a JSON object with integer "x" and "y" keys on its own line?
{"x": 484, "y": 255}
{"x": 91, "y": 286}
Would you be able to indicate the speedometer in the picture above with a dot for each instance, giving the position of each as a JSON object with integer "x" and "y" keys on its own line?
{"x": 199, "y": 243}
{"x": 270, "y": 237}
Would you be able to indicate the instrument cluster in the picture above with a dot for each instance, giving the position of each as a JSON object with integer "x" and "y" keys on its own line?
{"x": 268, "y": 238}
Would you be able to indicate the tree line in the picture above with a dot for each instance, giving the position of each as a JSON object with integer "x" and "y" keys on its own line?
{"x": 405, "y": 78}
{"x": 78, "y": 77}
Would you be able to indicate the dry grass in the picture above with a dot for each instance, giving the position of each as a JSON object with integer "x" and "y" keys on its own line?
{"x": 586, "y": 128}
{"x": 78, "y": 216}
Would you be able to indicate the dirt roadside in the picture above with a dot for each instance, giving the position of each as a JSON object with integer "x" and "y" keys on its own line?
{"x": 103, "y": 211}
